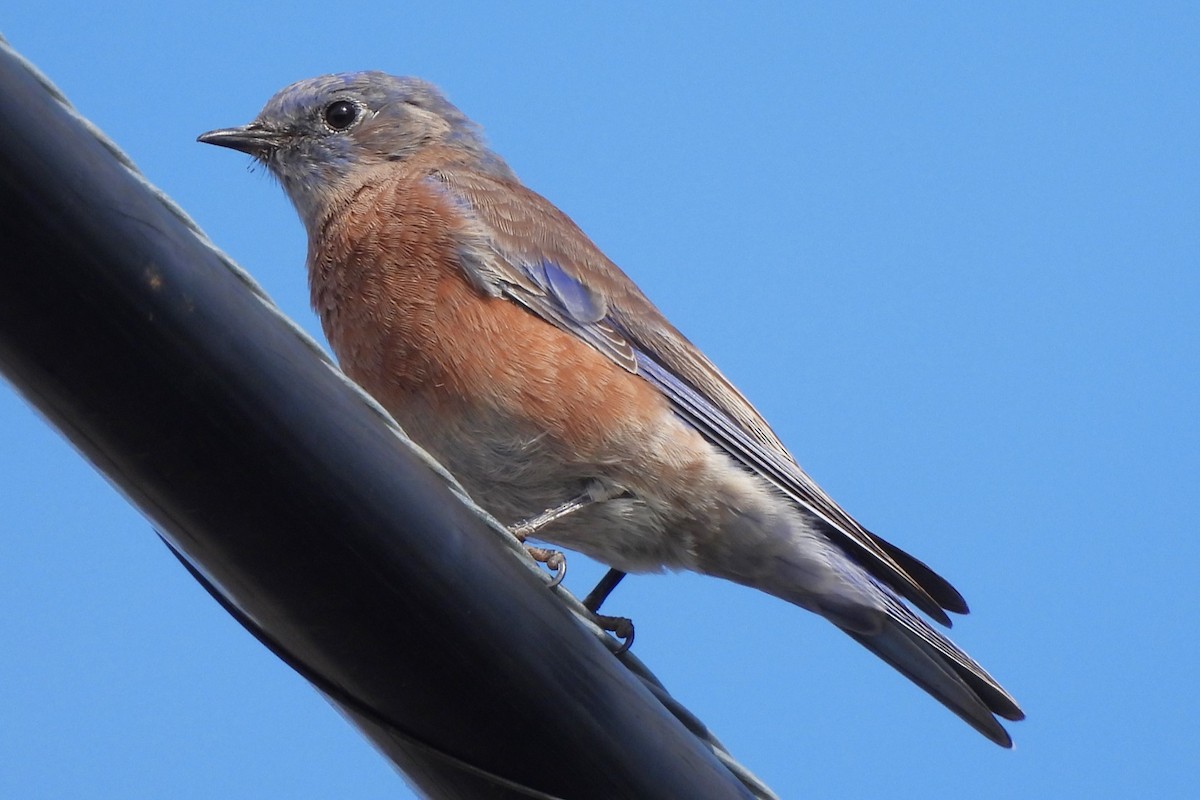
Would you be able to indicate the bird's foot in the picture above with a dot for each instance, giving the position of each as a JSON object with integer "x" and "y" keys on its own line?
{"x": 621, "y": 627}
{"x": 553, "y": 559}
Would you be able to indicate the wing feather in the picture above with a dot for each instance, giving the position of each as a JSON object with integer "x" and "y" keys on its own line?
{"x": 519, "y": 245}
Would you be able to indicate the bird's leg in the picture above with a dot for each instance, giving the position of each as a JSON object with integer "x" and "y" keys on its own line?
{"x": 621, "y": 627}
{"x": 596, "y": 492}
{"x": 551, "y": 558}
{"x": 532, "y": 525}
{"x": 598, "y": 595}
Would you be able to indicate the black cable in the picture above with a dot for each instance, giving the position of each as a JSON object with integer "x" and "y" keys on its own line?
{"x": 339, "y": 694}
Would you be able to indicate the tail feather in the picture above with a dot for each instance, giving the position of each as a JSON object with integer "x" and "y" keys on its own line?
{"x": 934, "y": 663}
{"x": 935, "y": 585}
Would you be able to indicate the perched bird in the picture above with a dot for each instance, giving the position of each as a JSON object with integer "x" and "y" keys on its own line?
{"x": 514, "y": 351}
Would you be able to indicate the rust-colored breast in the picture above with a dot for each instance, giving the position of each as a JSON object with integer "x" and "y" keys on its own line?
{"x": 407, "y": 325}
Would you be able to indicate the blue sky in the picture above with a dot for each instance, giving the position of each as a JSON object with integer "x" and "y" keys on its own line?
{"x": 951, "y": 253}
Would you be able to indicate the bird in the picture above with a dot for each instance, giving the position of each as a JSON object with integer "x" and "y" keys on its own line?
{"x": 508, "y": 345}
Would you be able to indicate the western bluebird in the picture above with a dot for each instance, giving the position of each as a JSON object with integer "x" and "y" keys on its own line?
{"x": 524, "y": 360}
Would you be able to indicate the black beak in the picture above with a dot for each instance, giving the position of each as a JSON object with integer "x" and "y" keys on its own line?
{"x": 251, "y": 139}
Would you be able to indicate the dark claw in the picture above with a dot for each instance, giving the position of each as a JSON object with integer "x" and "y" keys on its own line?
{"x": 557, "y": 562}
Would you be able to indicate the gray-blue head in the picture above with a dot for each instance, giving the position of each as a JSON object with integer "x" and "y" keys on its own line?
{"x": 318, "y": 136}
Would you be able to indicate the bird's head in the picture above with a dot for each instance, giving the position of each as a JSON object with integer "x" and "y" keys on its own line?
{"x": 319, "y": 136}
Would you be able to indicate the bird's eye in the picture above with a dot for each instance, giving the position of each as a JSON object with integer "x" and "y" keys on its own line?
{"x": 340, "y": 114}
